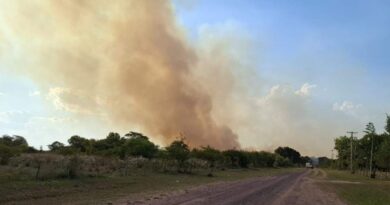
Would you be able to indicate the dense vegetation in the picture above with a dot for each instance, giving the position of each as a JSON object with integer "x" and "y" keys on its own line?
{"x": 120, "y": 155}
{"x": 371, "y": 145}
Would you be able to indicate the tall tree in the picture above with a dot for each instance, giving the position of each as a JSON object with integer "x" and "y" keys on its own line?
{"x": 55, "y": 146}
{"x": 383, "y": 155}
{"x": 179, "y": 151}
{"x": 140, "y": 146}
{"x": 387, "y": 126}
{"x": 79, "y": 143}
{"x": 342, "y": 146}
{"x": 289, "y": 153}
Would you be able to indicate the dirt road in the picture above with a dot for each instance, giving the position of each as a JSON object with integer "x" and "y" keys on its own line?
{"x": 293, "y": 188}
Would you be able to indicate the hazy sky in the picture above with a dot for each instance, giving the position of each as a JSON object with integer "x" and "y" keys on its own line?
{"x": 309, "y": 71}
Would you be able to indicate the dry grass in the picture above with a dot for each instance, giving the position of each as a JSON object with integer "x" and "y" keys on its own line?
{"x": 102, "y": 190}
{"x": 356, "y": 189}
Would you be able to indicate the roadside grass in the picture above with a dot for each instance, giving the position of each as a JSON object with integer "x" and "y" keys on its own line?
{"x": 356, "y": 189}
{"x": 104, "y": 190}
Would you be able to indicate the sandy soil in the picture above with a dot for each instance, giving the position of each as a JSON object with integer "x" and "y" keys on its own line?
{"x": 290, "y": 189}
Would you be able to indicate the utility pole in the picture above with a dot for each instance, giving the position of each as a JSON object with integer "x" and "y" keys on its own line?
{"x": 372, "y": 150}
{"x": 351, "y": 158}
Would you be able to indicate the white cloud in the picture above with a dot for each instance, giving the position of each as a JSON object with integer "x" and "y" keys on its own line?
{"x": 34, "y": 93}
{"x": 346, "y": 107}
{"x": 2, "y": 94}
{"x": 12, "y": 115}
{"x": 305, "y": 90}
{"x": 49, "y": 119}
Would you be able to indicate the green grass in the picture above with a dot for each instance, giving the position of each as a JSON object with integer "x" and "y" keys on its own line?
{"x": 368, "y": 192}
{"x": 108, "y": 189}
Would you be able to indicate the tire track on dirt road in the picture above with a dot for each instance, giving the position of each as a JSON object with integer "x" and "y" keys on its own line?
{"x": 290, "y": 189}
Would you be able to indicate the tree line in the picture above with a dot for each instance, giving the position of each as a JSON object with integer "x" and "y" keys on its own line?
{"x": 371, "y": 152}
{"x": 134, "y": 145}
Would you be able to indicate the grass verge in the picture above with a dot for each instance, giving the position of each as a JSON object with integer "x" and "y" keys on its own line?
{"x": 356, "y": 189}
{"x": 105, "y": 190}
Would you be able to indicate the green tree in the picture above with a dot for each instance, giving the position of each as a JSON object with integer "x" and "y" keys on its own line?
{"x": 179, "y": 151}
{"x": 383, "y": 155}
{"x": 14, "y": 141}
{"x": 135, "y": 135}
{"x": 289, "y": 153}
{"x": 281, "y": 161}
{"x": 237, "y": 158}
{"x": 11, "y": 146}
{"x": 342, "y": 146}
{"x": 210, "y": 155}
{"x": 140, "y": 146}
{"x": 387, "y": 126}
{"x": 55, "y": 146}
{"x": 79, "y": 143}
{"x": 6, "y": 153}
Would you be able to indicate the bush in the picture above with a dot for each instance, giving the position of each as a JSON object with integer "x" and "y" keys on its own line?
{"x": 180, "y": 152}
{"x": 5, "y": 154}
{"x": 281, "y": 161}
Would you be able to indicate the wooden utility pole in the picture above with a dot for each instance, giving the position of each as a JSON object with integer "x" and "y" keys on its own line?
{"x": 351, "y": 158}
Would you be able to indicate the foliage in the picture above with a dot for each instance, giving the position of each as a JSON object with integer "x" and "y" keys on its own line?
{"x": 383, "y": 155}
{"x": 11, "y": 146}
{"x": 289, "y": 153}
{"x": 121, "y": 155}
{"x": 387, "y": 126}
{"x": 179, "y": 151}
{"x": 56, "y": 146}
{"x": 342, "y": 146}
{"x": 5, "y": 154}
{"x": 210, "y": 155}
{"x": 281, "y": 161}
{"x": 79, "y": 143}
{"x": 237, "y": 158}
{"x": 140, "y": 146}
{"x": 371, "y": 143}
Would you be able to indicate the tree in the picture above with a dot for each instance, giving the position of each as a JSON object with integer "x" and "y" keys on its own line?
{"x": 11, "y": 146}
{"x": 79, "y": 143}
{"x": 281, "y": 161}
{"x": 140, "y": 146}
{"x": 135, "y": 135}
{"x": 237, "y": 158}
{"x": 179, "y": 151}
{"x": 383, "y": 156}
{"x": 55, "y": 146}
{"x": 289, "y": 153}
{"x": 14, "y": 141}
{"x": 209, "y": 154}
{"x": 324, "y": 162}
{"x": 19, "y": 141}
{"x": 387, "y": 127}
{"x": 6, "y": 153}
{"x": 113, "y": 140}
{"x": 342, "y": 146}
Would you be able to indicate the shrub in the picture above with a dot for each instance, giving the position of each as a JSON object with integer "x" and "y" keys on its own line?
{"x": 180, "y": 152}
{"x": 5, "y": 154}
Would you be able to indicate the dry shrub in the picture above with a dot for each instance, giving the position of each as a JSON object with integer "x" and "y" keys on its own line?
{"x": 50, "y": 166}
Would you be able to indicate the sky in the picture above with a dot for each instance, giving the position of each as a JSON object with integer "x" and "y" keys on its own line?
{"x": 300, "y": 73}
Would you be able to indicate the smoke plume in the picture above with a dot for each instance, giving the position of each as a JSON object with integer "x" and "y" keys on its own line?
{"x": 127, "y": 61}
